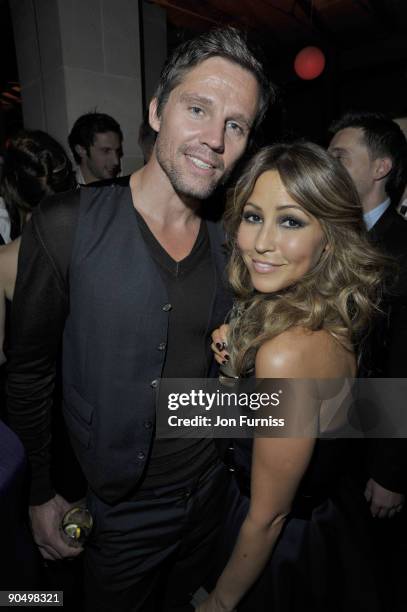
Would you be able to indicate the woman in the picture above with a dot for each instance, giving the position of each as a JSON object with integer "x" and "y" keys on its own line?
{"x": 307, "y": 282}
{"x": 35, "y": 165}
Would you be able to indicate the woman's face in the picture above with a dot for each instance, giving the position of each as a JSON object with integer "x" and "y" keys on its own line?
{"x": 279, "y": 241}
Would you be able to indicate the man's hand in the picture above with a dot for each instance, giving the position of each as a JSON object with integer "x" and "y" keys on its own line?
{"x": 383, "y": 503}
{"x": 219, "y": 344}
{"x": 45, "y": 524}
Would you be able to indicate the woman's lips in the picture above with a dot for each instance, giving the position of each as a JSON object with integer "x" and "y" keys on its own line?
{"x": 264, "y": 267}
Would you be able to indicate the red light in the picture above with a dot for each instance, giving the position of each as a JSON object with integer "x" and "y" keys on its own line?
{"x": 309, "y": 63}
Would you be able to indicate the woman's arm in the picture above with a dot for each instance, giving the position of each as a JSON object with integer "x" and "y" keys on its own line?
{"x": 277, "y": 468}
{"x": 8, "y": 273}
{"x": 2, "y": 324}
{"x": 9, "y": 268}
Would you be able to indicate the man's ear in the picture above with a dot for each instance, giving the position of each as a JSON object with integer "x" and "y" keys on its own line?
{"x": 81, "y": 151}
{"x": 383, "y": 166}
{"x": 153, "y": 118}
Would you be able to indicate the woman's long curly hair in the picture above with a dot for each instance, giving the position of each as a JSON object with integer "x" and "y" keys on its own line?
{"x": 342, "y": 292}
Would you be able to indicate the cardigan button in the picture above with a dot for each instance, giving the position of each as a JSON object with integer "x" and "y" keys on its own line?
{"x": 148, "y": 424}
{"x": 162, "y": 346}
{"x": 167, "y": 307}
{"x": 154, "y": 383}
{"x": 140, "y": 455}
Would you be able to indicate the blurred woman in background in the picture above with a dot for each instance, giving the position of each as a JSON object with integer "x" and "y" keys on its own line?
{"x": 35, "y": 165}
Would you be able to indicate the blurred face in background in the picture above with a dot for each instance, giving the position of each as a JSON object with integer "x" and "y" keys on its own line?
{"x": 103, "y": 159}
{"x": 349, "y": 147}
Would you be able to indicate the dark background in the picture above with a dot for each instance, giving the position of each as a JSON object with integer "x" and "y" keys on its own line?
{"x": 364, "y": 41}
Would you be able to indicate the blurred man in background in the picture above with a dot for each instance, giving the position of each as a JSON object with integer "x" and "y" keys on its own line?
{"x": 96, "y": 143}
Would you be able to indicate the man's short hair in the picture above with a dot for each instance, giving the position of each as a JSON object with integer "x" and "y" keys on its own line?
{"x": 85, "y": 129}
{"x": 228, "y": 43}
{"x": 383, "y": 137}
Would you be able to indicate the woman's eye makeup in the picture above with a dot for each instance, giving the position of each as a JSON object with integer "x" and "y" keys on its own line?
{"x": 251, "y": 216}
{"x": 286, "y": 221}
{"x": 291, "y": 222}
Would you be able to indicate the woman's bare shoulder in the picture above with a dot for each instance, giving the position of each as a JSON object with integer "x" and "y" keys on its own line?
{"x": 303, "y": 353}
{"x": 9, "y": 252}
{"x": 8, "y": 265}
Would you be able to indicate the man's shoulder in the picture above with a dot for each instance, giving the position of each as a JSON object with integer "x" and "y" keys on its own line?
{"x": 61, "y": 208}
{"x": 57, "y": 209}
{"x": 393, "y": 221}
{"x": 396, "y": 219}
{"x": 121, "y": 181}
{"x": 57, "y": 203}
{"x": 391, "y": 231}
{"x": 54, "y": 222}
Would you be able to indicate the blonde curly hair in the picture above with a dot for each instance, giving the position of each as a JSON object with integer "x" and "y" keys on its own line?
{"x": 342, "y": 292}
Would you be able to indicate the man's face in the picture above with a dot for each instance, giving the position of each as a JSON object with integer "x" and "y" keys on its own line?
{"x": 349, "y": 147}
{"x": 205, "y": 125}
{"x": 103, "y": 159}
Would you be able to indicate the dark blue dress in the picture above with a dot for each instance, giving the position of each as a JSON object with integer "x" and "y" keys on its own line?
{"x": 324, "y": 559}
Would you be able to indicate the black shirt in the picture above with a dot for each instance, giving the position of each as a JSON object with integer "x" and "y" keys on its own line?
{"x": 190, "y": 284}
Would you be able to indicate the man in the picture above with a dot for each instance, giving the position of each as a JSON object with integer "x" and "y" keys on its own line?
{"x": 96, "y": 144}
{"x": 146, "y": 289}
{"x": 374, "y": 151}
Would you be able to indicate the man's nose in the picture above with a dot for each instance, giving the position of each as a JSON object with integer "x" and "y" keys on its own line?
{"x": 115, "y": 157}
{"x": 214, "y": 136}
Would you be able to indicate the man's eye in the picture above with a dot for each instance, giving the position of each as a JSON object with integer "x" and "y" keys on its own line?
{"x": 291, "y": 223}
{"x": 196, "y": 110}
{"x": 251, "y": 217}
{"x": 234, "y": 127}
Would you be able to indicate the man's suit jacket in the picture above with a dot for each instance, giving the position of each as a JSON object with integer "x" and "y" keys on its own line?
{"x": 387, "y": 349}
{"x": 390, "y": 233}
{"x": 113, "y": 308}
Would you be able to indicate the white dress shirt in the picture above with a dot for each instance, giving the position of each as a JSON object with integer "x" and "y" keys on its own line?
{"x": 372, "y": 217}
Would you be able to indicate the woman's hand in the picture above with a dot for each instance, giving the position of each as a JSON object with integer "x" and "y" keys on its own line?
{"x": 219, "y": 344}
